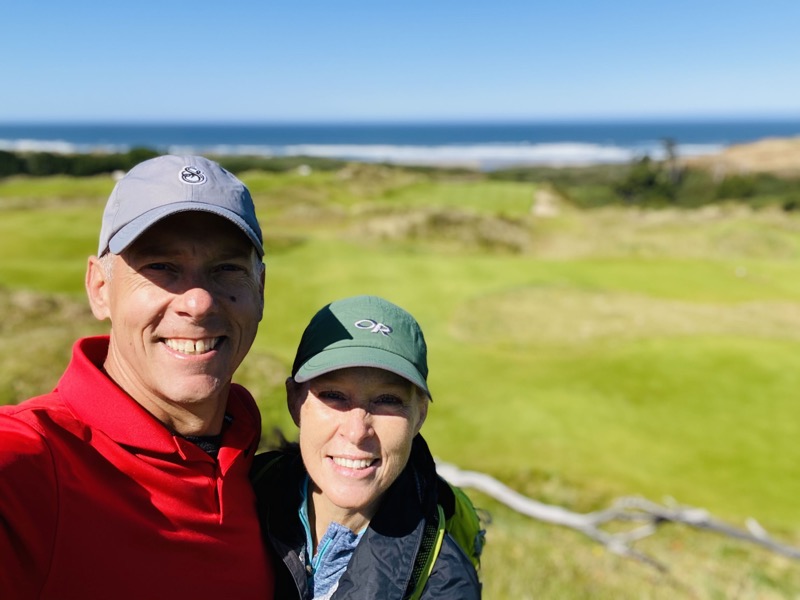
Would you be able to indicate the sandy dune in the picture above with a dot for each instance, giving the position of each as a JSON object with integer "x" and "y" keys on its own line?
{"x": 780, "y": 156}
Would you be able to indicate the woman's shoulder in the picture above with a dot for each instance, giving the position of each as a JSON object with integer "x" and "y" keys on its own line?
{"x": 453, "y": 574}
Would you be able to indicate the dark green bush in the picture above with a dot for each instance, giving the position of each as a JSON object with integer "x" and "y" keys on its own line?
{"x": 84, "y": 165}
{"x": 647, "y": 184}
{"x": 277, "y": 164}
{"x": 40, "y": 164}
{"x": 10, "y": 164}
{"x": 136, "y": 155}
{"x": 736, "y": 187}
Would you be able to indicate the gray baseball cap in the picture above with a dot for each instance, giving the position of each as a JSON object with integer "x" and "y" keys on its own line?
{"x": 165, "y": 185}
{"x": 363, "y": 331}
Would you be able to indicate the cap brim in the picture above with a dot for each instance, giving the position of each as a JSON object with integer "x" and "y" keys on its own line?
{"x": 128, "y": 234}
{"x": 334, "y": 359}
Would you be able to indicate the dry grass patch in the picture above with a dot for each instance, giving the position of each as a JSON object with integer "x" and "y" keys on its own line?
{"x": 37, "y": 332}
{"x": 564, "y": 316}
{"x": 721, "y": 232}
{"x": 448, "y": 227}
{"x": 780, "y": 156}
{"x": 527, "y": 559}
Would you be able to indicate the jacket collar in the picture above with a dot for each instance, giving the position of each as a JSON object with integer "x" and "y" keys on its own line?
{"x": 383, "y": 562}
{"x": 97, "y": 401}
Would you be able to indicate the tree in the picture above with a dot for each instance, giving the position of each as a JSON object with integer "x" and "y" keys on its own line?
{"x": 646, "y": 184}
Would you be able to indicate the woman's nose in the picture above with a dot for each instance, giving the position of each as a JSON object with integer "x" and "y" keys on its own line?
{"x": 358, "y": 425}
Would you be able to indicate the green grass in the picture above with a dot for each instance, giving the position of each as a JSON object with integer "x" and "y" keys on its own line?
{"x": 488, "y": 197}
{"x": 47, "y": 249}
{"x": 609, "y": 352}
{"x": 47, "y": 190}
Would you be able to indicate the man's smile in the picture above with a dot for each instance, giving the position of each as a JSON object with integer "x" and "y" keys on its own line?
{"x": 193, "y": 347}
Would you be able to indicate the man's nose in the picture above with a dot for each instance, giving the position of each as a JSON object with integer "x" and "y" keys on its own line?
{"x": 196, "y": 298}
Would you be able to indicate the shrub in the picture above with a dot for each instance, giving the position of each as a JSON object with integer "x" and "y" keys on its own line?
{"x": 40, "y": 164}
{"x": 646, "y": 184}
{"x": 736, "y": 187}
{"x": 136, "y": 155}
{"x": 10, "y": 164}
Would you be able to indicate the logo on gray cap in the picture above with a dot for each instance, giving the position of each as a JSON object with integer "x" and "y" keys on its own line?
{"x": 192, "y": 175}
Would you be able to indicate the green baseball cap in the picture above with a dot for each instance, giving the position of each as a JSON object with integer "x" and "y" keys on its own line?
{"x": 363, "y": 331}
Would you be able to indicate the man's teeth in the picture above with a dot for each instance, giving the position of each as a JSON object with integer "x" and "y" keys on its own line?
{"x": 192, "y": 346}
{"x": 352, "y": 464}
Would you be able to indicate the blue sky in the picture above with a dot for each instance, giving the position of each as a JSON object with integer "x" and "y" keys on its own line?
{"x": 348, "y": 60}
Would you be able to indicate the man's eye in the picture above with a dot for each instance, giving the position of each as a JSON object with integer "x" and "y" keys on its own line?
{"x": 157, "y": 266}
{"x": 331, "y": 395}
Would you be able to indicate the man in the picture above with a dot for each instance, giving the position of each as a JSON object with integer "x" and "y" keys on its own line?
{"x": 130, "y": 479}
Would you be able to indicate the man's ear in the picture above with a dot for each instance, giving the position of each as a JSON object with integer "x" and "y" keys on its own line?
{"x": 97, "y": 288}
{"x": 261, "y": 290}
{"x": 295, "y": 396}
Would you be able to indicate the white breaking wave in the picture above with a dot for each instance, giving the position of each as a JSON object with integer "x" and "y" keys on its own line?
{"x": 58, "y": 146}
{"x": 479, "y": 156}
{"x": 476, "y": 155}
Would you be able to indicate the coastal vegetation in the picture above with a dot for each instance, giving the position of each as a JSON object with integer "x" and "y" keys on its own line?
{"x": 644, "y": 182}
{"x": 594, "y": 332}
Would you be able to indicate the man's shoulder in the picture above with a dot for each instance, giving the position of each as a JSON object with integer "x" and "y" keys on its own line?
{"x": 25, "y": 429}
{"x": 31, "y": 422}
{"x": 34, "y": 409}
{"x": 241, "y": 400}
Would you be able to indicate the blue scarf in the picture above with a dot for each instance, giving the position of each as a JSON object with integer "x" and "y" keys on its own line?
{"x": 332, "y": 555}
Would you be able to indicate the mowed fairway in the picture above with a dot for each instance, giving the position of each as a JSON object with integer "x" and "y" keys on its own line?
{"x": 577, "y": 358}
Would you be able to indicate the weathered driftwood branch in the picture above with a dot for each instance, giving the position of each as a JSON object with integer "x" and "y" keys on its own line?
{"x": 629, "y": 509}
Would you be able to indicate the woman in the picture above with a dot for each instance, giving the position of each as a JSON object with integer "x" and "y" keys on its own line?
{"x": 350, "y": 516}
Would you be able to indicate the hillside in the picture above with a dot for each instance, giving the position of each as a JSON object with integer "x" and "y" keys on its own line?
{"x": 576, "y": 356}
{"x": 779, "y": 156}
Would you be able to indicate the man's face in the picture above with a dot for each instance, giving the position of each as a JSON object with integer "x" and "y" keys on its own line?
{"x": 356, "y": 429}
{"x": 184, "y": 302}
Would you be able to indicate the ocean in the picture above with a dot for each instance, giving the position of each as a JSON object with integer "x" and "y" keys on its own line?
{"x": 479, "y": 145}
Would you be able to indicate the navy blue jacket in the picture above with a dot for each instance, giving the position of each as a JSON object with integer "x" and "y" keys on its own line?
{"x": 382, "y": 564}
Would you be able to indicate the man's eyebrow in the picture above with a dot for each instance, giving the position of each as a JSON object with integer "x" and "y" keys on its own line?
{"x": 228, "y": 252}
{"x": 147, "y": 248}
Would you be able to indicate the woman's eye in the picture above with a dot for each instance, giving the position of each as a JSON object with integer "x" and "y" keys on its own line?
{"x": 231, "y": 268}
{"x": 331, "y": 395}
{"x": 390, "y": 400}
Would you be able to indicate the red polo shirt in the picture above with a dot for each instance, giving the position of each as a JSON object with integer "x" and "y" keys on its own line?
{"x": 99, "y": 500}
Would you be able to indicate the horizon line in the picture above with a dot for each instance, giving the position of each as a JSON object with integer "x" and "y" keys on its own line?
{"x": 542, "y": 120}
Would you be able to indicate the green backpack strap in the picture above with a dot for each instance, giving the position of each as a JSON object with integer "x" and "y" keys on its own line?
{"x": 464, "y": 525}
{"x": 458, "y": 518}
{"x": 432, "y": 538}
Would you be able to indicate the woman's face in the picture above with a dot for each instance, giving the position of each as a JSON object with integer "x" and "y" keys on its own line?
{"x": 356, "y": 428}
